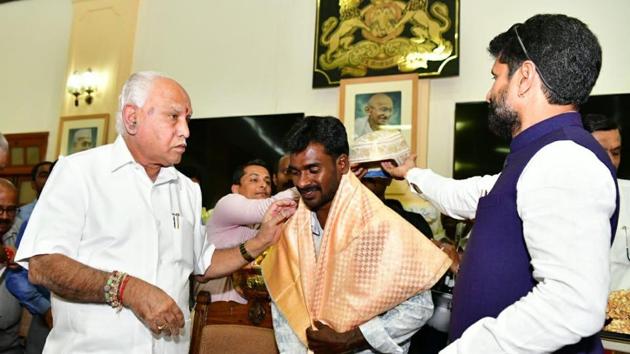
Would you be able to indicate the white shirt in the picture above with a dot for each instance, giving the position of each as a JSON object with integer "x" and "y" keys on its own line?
{"x": 620, "y": 251}
{"x": 565, "y": 198}
{"x": 100, "y": 208}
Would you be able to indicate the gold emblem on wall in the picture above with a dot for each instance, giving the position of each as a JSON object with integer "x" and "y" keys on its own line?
{"x": 357, "y": 38}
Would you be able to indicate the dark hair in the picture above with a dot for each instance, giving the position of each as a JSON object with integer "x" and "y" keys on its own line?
{"x": 566, "y": 53}
{"x": 239, "y": 171}
{"x": 189, "y": 171}
{"x": 594, "y": 122}
{"x": 328, "y": 131}
{"x": 36, "y": 167}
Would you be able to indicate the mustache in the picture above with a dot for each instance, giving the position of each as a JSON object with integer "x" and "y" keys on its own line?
{"x": 309, "y": 189}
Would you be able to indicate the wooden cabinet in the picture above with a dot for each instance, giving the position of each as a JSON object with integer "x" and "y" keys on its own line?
{"x": 25, "y": 151}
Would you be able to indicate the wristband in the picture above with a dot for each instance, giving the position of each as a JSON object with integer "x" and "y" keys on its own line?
{"x": 110, "y": 290}
{"x": 248, "y": 257}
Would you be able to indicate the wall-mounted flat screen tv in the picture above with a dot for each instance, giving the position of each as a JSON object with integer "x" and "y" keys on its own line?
{"x": 477, "y": 151}
{"x": 218, "y": 145}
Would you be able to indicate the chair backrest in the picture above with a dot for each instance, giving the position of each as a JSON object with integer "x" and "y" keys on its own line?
{"x": 229, "y": 327}
{"x": 237, "y": 339}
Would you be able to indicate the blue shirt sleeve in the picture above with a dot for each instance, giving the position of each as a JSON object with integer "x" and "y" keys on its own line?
{"x": 35, "y": 299}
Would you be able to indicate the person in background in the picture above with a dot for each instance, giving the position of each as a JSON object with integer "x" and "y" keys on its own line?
{"x": 281, "y": 177}
{"x": 36, "y": 299}
{"x": 10, "y": 310}
{"x": 39, "y": 175}
{"x": 237, "y": 217}
{"x": 349, "y": 274}
{"x": 535, "y": 275}
{"x": 116, "y": 232}
{"x": 607, "y": 132}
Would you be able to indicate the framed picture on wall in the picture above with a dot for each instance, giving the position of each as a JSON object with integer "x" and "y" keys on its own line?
{"x": 380, "y": 103}
{"x": 78, "y": 133}
{"x": 356, "y": 38}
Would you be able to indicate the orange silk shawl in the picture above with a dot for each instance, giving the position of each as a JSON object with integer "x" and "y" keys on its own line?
{"x": 370, "y": 261}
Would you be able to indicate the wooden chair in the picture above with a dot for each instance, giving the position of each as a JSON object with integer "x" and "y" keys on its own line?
{"x": 232, "y": 328}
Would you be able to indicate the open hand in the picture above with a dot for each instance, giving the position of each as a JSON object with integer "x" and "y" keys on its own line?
{"x": 399, "y": 172}
{"x": 154, "y": 307}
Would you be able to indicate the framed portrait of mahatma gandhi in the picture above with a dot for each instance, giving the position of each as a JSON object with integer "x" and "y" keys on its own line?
{"x": 386, "y": 103}
{"x": 79, "y": 133}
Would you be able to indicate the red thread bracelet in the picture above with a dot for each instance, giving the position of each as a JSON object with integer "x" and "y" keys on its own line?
{"x": 121, "y": 289}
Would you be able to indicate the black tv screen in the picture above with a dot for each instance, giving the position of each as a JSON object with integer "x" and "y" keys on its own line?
{"x": 216, "y": 146}
{"x": 477, "y": 151}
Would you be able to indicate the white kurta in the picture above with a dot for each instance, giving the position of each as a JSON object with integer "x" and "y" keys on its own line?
{"x": 620, "y": 252}
{"x": 100, "y": 208}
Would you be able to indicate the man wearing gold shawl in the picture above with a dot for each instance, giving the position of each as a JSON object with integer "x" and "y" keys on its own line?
{"x": 349, "y": 274}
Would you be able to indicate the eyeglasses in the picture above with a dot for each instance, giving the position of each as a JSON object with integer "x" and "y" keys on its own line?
{"x": 10, "y": 210}
{"x": 520, "y": 41}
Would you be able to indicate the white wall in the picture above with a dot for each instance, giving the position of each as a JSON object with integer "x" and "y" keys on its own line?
{"x": 235, "y": 57}
{"x": 255, "y": 57}
{"x": 34, "y": 39}
{"x": 481, "y": 21}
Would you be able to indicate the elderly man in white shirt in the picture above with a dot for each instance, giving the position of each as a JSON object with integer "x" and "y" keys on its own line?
{"x": 116, "y": 233}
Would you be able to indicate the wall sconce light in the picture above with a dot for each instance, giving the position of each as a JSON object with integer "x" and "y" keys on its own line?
{"x": 80, "y": 83}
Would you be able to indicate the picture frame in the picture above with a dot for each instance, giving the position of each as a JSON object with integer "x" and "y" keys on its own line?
{"x": 374, "y": 38}
{"x": 78, "y": 133}
{"x": 386, "y": 102}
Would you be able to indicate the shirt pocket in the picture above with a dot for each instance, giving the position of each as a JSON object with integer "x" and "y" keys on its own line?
{"x": 183, "y": 242}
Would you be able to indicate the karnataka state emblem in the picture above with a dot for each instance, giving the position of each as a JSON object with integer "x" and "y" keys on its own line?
{"x": 358, "y": 38}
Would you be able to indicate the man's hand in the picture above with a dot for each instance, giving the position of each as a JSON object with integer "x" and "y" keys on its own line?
{"x": 271, "y": 225}
{"x": 323, "y": 339}
{"x": 399, "y": 172}
{"x": 153, "y": 306}
{"x": 359, "y": 170}
{"x": 451, "y": 252}
{"x": 226, "y": 261}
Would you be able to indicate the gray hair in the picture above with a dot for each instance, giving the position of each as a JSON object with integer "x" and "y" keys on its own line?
{"x": 4, "y": 144}
{"x": 135, "y": 92}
